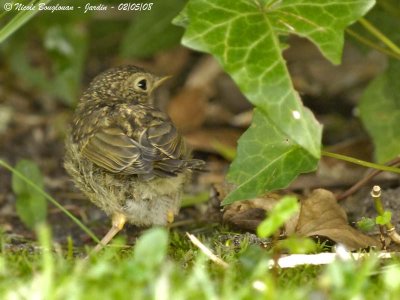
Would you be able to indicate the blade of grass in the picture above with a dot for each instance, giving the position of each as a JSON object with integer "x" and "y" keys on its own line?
{"x": 371, "y": 44}
{"x": 51, "y": 199}
{"x": 18, "y": 20}
{"x": 378, "y": 34}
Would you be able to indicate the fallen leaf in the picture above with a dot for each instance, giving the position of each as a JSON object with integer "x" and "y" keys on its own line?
{"x": 320, "y": 215}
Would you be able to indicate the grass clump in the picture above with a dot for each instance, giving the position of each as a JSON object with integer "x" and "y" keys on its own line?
{"x": 154, "y": 269}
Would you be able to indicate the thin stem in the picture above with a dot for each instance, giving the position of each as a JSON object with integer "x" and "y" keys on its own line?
{"x": 377, "y": 33}
{"x": 50, "y": 198}
{"x": 371, "y": 44}
{"x": 370, "y": 175}
{"x": 360, "y": 162}
{"x": 376, "y": 196}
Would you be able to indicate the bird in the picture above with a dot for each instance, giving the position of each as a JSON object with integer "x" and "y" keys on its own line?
{"x": 126, "y": 155}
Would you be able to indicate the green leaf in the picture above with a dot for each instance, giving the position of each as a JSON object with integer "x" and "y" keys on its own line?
{"x": 244, "y": 36}
{"x": 384, "y": 219}
{"x": 152, "y": 31}
{"x": 277, "y": 217}
{"x": 268, "y": 160}
{"x": 31, "y": 205}
{"x": 380, "y": 112}
{"x": 365, "y": 224}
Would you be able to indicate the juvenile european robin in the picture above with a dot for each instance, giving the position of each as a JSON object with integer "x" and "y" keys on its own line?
{"x": 125, "y": 155}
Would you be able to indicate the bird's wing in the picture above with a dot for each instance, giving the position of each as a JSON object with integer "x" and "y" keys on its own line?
{"x": 174, "y": 156}
{"x": 155, "y": 148}
{"x": 111, "y": 149}
{"x": 164, "y": 137}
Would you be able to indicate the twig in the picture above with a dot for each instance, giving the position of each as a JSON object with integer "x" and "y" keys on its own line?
{"x": 295, "y": 260}
{"x": 207, "y": 251}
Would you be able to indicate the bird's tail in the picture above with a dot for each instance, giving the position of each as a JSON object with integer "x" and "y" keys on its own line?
{"x": 172, "y": 167}
{"x": 195, "y": 164}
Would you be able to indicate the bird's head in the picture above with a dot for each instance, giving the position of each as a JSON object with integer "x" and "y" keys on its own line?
{"x": 126, "y": 83}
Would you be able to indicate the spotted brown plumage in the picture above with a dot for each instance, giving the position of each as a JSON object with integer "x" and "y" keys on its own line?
{"x": 126, "y": 155}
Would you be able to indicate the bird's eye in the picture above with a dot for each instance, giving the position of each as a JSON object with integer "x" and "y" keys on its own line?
{"x": 142, "y": 84}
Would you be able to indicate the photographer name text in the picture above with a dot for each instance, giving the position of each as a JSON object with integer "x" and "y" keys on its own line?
{"x": 85, "y": 9}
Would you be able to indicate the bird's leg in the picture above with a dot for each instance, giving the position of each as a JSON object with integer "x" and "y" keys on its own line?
{"x": 118, "y": 222}
{"x": 170, "y": 219}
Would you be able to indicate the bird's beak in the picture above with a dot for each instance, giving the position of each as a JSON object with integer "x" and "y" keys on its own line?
{"x": 159, "y": 81}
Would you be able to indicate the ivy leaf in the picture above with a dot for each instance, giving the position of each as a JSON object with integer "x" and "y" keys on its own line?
{"x": 31, "y": 205}
{"x": 146, "y": 37}
{"x": 269, "y": 160}
{"x": 244, "y": 37}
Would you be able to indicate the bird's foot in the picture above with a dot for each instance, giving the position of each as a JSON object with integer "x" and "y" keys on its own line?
{"x": 118, "y": 222}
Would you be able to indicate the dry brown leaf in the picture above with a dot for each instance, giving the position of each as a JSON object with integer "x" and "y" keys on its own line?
{"x": 320, "y": 215}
